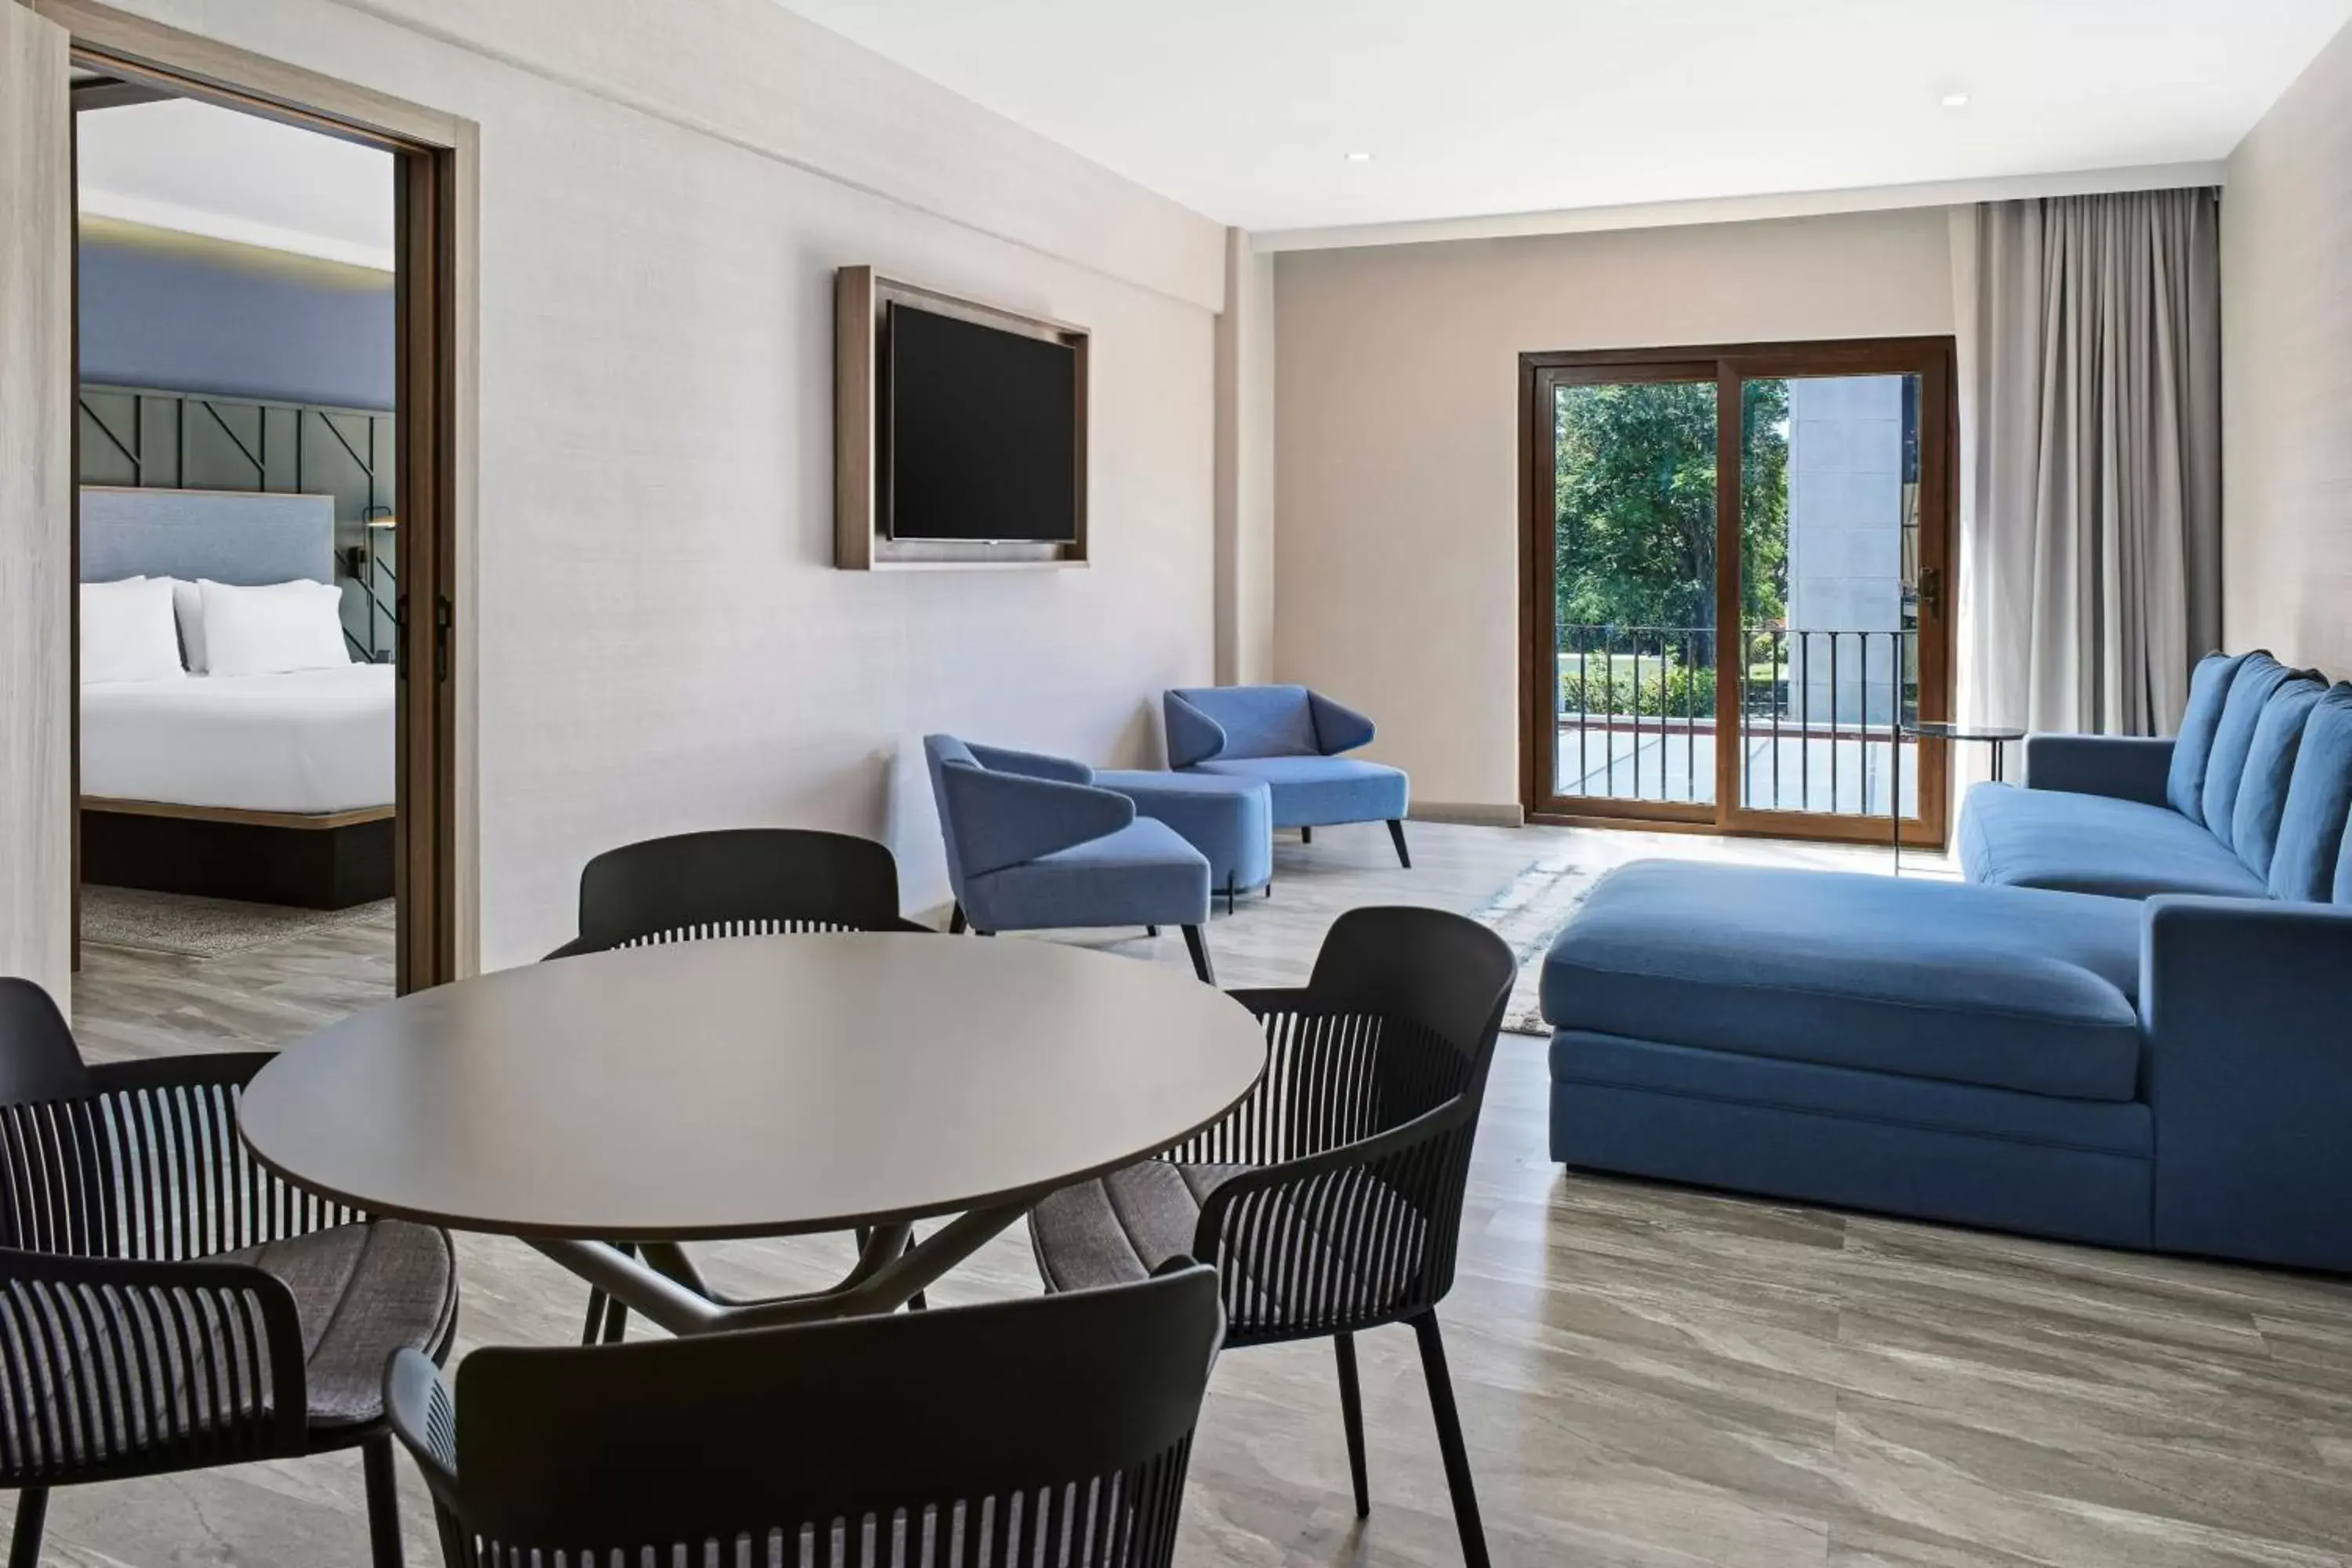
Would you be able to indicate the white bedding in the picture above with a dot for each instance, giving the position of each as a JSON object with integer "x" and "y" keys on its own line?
{"x": 309, "y": 741}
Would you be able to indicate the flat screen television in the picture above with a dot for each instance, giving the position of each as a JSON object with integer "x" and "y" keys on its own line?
{"x": 980, "y": 433}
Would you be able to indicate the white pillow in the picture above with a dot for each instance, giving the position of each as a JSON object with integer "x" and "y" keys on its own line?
{"x": 188, "y": 608}
{"x": 270, "y": 630}
{"x": 127, "y": 632}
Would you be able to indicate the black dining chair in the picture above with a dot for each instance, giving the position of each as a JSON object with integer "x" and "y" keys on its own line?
{"x": 1048, "y": 1430}
{"x": 731, "y": 881}
{"x": 1330, "y": 1200}
{"x": 166, "y": 1304}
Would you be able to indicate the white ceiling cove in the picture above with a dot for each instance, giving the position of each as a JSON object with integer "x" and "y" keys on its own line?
{"x": 1247, "y": 109}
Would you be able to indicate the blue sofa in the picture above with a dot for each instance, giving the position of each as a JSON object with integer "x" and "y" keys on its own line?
{"x": 1033, "y": 845}
{"x": 1291, "y": 740}
{"x": 2131, "y": 1025}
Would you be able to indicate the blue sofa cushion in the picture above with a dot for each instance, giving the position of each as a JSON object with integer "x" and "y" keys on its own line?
{"x": 1144, "y": 874}
{"x": 2003, "y": 988}
{"x": 2209, "y": 688}
{"x": 1230, "y": 820}
{"x": 1310, "y": 791}
{"x": 2270, "y": 768}
{"x": 1258, "y": 721}
{"x": 2257, "y": 680}
{"x": 2015, "y": 837}
{"x": 2318, "y": 799}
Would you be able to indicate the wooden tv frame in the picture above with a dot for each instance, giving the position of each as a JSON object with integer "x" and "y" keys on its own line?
{"x": 861, "y": 299}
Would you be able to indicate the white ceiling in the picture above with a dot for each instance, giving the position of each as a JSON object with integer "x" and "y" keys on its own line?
{"x": 1244, "y": 109}
{"x": 190, "y": 167}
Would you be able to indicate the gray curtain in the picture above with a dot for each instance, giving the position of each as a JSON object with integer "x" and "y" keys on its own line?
{"x": 2094, "y": 554}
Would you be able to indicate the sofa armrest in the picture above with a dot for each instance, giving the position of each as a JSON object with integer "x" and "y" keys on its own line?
{"x": 1031, "y": 765}
{"x": 2126, "y": 767}
{"x": 1006, "y": 819}
{"x": 1192, "y": 735}
{"x": 2247, "y": 1009}
{"x": 1336, "y": 728}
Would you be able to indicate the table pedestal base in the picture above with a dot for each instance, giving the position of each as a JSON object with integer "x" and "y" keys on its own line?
{"x": 664, "y": 1285}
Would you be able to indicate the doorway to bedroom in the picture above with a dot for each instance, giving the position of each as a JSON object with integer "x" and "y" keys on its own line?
{"x": 257, "y": 705}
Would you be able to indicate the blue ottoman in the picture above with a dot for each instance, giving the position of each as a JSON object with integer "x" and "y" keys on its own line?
{"x": 1230, "y": 820}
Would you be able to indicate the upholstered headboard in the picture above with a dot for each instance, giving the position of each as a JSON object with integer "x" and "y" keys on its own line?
{"x": 244, "y": 538}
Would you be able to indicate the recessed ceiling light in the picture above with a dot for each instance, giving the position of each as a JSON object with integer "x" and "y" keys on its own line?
{"x": 1358, "y": 157}
{"x": 1956, "y": 100}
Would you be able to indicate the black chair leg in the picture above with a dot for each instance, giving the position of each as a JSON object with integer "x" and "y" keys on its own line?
{"x": 592, "y": 1332}
{"x": 956, "y": 921}
{"x": 1200, "y": 950}
{"x": 1307, "y": 836}
{"x": 1351, "y": 1410}
{"x": 1151, "y": 930}
{"x": 32, "y": 1513}
{"x": 383, "y": 1502}
{"x": 1230, "y": 894}
{"x": 1449, "y": 1441}
{"x": 1396, "y": 835}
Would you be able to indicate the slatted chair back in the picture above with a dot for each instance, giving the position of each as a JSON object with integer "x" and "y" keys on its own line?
{"x": 1043, "y": 1431}
{"x": 748, "y": 881}
{"x": 1356, "y": 1145}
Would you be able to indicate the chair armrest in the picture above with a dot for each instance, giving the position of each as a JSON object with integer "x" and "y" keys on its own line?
{"x": 1031, "y": 765}
{"x": 1381, "y": 1217}
{"x": 2244, "y": 1005}
{"x": 423, "y": 1414}
{"x": 1336, "y": 728}
{"x": 137, "y": 1367}
{"x": 1192, "y": 735}
{"x": 2126, "y": 767}
{"x": 1007, "y": 819}
{"x": 170, "y": 1123}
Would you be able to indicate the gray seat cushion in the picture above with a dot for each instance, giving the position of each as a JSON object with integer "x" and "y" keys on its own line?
{"x": 2006, "y": 987}
{"x": 2014, "y": 837}
{"x": 1117, "y": 1230}
{"x": 363, "y": 1292}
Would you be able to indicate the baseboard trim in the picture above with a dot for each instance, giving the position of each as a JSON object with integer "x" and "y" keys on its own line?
{"x": 1472, "y": 813}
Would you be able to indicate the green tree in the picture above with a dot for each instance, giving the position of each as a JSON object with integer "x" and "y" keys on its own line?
{"x": 1635, "y": 502}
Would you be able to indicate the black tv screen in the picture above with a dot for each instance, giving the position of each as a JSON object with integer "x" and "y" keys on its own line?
{"x": 983, "y": 433}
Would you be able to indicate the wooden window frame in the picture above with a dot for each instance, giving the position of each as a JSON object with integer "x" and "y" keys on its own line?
{"x": 1934, "y": 360}
{"x": 438, "y": 155}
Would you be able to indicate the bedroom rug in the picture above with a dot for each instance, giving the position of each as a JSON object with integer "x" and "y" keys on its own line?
{"x": 191, "y": 927}
{"x": 1528, "y": 914}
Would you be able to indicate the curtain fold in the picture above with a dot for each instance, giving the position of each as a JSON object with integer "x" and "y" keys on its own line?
{"x": 2091, "y": 543}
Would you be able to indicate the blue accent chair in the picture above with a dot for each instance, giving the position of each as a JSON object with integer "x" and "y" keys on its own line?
{"x": 1032, "y": 845}
{"x": 1290, "y": 739}
{"x": 2132, "y": 1024}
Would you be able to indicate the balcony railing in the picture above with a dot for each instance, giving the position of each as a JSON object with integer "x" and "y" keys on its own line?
{"x": 1636, "y": 709}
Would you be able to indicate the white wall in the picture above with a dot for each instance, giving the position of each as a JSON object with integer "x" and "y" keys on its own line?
{"x": 666, "y": 192}
{"x": 1396, "y": 567}
{"x": 2286, "y": 392}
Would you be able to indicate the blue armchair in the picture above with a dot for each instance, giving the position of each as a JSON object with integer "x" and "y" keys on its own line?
{"x": 1032, "y": 845}
{"x": 1290, "y": 739}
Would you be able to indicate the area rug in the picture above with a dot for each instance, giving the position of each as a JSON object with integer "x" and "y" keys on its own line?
{"x": 191, "y": 927}
{"x": 1528, "y": 914}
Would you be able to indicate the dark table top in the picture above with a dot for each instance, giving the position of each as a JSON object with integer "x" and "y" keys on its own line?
{"x": 1939, "y": 731}
{"x": 759, "y": 1086}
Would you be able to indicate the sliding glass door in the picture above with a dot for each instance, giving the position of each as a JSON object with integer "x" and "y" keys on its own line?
{"x": 1734, "y": 565}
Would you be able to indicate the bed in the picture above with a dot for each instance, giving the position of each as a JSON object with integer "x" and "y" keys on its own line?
{"x": 271, "y": 788}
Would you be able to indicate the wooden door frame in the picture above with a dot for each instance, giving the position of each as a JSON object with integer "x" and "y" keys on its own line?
{"x": 435, "y": 314}
{"x": 1935, "y": 359}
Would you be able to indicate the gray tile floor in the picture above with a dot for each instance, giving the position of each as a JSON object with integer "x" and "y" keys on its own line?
{"x": 1648, "y": 1375}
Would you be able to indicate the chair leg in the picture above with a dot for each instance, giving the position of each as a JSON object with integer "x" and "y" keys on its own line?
{"x": 616, "y": 1312}
{"x": 1307, "y": 836}
{"x": 1449, "y": 1441}
{"x": 1151, "y": 930}
{"x": 32, "y": 1513}
{"x": 1230, "y": 894}
{"x": 1199, "y": 952}
{"x": 956, "y": 921}
{"x": 592, "y": 1332}
{"x": 1351, "y": 1410}
{"x": 383, "y": 1502}
{"x": 1396, "y": 835}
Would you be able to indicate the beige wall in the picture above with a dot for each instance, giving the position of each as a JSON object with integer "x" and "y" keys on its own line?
{"x": 1246, "y": 467}
{"x": 1396, "y": 565}
{"x": 2287, "y": 374}
{"x": 663, "y": 642}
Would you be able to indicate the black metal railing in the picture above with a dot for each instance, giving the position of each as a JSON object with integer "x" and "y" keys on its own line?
{"x": 1658, "y": 685}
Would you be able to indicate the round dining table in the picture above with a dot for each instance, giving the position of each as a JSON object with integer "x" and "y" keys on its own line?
{"x": 607, "y": 1108}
